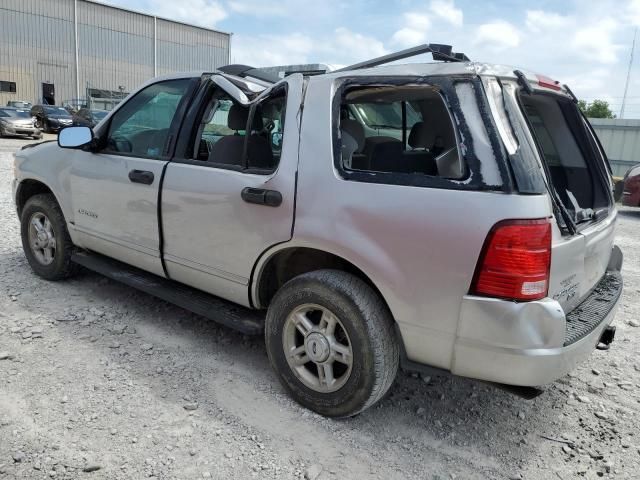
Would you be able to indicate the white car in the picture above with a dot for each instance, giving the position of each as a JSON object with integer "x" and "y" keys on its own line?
{"x": 454, "y": 214}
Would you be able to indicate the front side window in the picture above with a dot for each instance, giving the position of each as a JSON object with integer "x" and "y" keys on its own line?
{"x": 398, "y": 130}
{"x": 141, "y": 126}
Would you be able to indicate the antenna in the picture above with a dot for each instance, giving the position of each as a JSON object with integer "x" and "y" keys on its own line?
{"x": 626, "y": 85}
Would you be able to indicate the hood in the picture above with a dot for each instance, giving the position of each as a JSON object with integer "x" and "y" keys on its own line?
{"x": 59, "y": 117}
{"x": 18, "y": 120}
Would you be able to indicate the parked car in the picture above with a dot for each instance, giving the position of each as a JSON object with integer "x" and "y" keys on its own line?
{"x": 19, "y": 104}
{"x": 631, "y": 189}
{"x": 17, "y": 122}
{"x": 51, "y": 118}
{"x": 86, "y": 117}
{"x": 476, "y": 235}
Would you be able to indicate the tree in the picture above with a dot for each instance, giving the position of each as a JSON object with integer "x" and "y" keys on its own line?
{"x": 596, "y": 109}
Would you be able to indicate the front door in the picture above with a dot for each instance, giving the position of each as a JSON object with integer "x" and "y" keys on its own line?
{"x": 231, "y": 195}
{"x": 115, "y": 190}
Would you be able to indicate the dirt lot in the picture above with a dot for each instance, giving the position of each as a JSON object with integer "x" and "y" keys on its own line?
{"x": 95, "y": 376}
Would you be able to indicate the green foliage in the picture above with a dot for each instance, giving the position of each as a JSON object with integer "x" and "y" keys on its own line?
{"x": 596, "y": 109}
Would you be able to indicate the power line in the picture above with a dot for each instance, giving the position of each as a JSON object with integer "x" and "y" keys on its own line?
{"x": 626, "y": 85}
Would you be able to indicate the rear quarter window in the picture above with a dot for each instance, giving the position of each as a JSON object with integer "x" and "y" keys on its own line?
{"x": 418, "y": 132}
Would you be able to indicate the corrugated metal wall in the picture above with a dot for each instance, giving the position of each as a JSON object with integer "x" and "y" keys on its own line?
{"x": 115, "y": 48}
{"x": 36, "y": 46}
{"x": 621, "y": 140}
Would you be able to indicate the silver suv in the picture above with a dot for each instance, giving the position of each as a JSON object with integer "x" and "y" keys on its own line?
{"x": 452, "y": 214}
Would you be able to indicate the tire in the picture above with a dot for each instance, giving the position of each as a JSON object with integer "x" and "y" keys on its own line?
{"x": 57, "y": 264}
{"x": 364, "y": 326}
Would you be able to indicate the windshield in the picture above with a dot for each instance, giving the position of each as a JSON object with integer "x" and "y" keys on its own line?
{"x": 56, "y": 111}
{"x": 14, "y": 113}
{"x": 19, "y": 104}
{"x": 99, "y": 114}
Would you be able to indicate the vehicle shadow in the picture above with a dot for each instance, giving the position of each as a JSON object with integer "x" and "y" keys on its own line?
{"x": 421, "y": 418}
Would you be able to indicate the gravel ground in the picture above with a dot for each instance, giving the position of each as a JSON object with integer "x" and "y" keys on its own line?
{"x": 99, "y": 381}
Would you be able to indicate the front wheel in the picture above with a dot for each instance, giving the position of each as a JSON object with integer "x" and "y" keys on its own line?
{"x": 331, "y": 340}
{"x": 45, "y": 239}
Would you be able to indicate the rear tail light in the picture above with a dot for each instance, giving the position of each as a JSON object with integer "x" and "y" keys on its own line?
{"x": 515, "y": 260}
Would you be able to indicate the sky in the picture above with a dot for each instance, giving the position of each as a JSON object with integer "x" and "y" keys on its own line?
{"x": 583, "y": 43}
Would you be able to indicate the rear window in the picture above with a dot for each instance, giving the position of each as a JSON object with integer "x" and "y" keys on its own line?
{"x": 572, "y": 159}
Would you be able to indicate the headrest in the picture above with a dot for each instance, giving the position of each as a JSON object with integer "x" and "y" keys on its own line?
{"x": 421, "y": 136}
{"x": 355, "y": 130}
{"x": 238, "y": 116}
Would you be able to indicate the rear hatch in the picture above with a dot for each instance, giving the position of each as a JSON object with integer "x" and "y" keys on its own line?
{"x": 555, "y": 142}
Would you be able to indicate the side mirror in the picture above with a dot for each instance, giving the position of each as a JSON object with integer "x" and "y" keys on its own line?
{"x": 75, "y": 137}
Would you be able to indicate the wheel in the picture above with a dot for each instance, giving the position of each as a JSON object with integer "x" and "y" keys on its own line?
{"x": 37, "y": 137}
{"x": 45, "y": 238}
{"x": 330, "y": 338}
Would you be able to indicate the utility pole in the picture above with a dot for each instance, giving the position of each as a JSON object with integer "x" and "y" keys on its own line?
{"x": 626, "y": 85}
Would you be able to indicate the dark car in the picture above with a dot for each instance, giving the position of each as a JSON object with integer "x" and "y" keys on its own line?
{"x": 51, "y": 118}
{"x": 86, "y": 117}
{"x": 17, "y": 122}
{"x": 631, "y": 189}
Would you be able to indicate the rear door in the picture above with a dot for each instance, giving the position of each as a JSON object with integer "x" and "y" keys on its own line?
{"x": 231, "y": 194}
{"x": 114, "y": 191}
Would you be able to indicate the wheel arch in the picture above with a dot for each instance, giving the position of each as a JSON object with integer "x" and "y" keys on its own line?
{"x": 29, "y": 187}
{"x": 287, "y": 261}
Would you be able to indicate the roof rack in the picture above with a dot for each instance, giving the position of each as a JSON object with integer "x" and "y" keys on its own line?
{"x": 439, "y": 51}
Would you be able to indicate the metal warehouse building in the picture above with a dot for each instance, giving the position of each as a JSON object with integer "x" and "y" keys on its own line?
{"x": 65, "y": 51}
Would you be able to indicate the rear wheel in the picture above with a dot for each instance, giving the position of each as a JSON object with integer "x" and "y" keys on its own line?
{"x": 45, "y": 239}
{"x": 330, "y": 338}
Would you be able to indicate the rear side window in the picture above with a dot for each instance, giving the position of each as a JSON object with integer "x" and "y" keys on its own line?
{"x": 399, "y": 130}
{"x": 225, "y": 140}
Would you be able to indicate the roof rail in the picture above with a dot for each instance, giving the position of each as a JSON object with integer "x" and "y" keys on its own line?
{"x": 244, "y": 71}
{"x": 439, "y": 52}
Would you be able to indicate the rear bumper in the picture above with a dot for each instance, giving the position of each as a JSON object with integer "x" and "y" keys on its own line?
{"x": 528, "y": 344}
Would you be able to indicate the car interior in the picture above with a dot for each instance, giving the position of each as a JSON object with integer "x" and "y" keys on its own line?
{"x": 399, "y": 129}
{"x": 224, "y": 139}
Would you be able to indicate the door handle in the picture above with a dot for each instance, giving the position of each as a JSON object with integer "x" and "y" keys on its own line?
{"x": 141, "y": 176}
{"x": 271, "y": 198}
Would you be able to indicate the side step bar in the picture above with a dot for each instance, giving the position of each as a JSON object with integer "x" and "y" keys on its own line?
{"x": 247, "y": 321}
